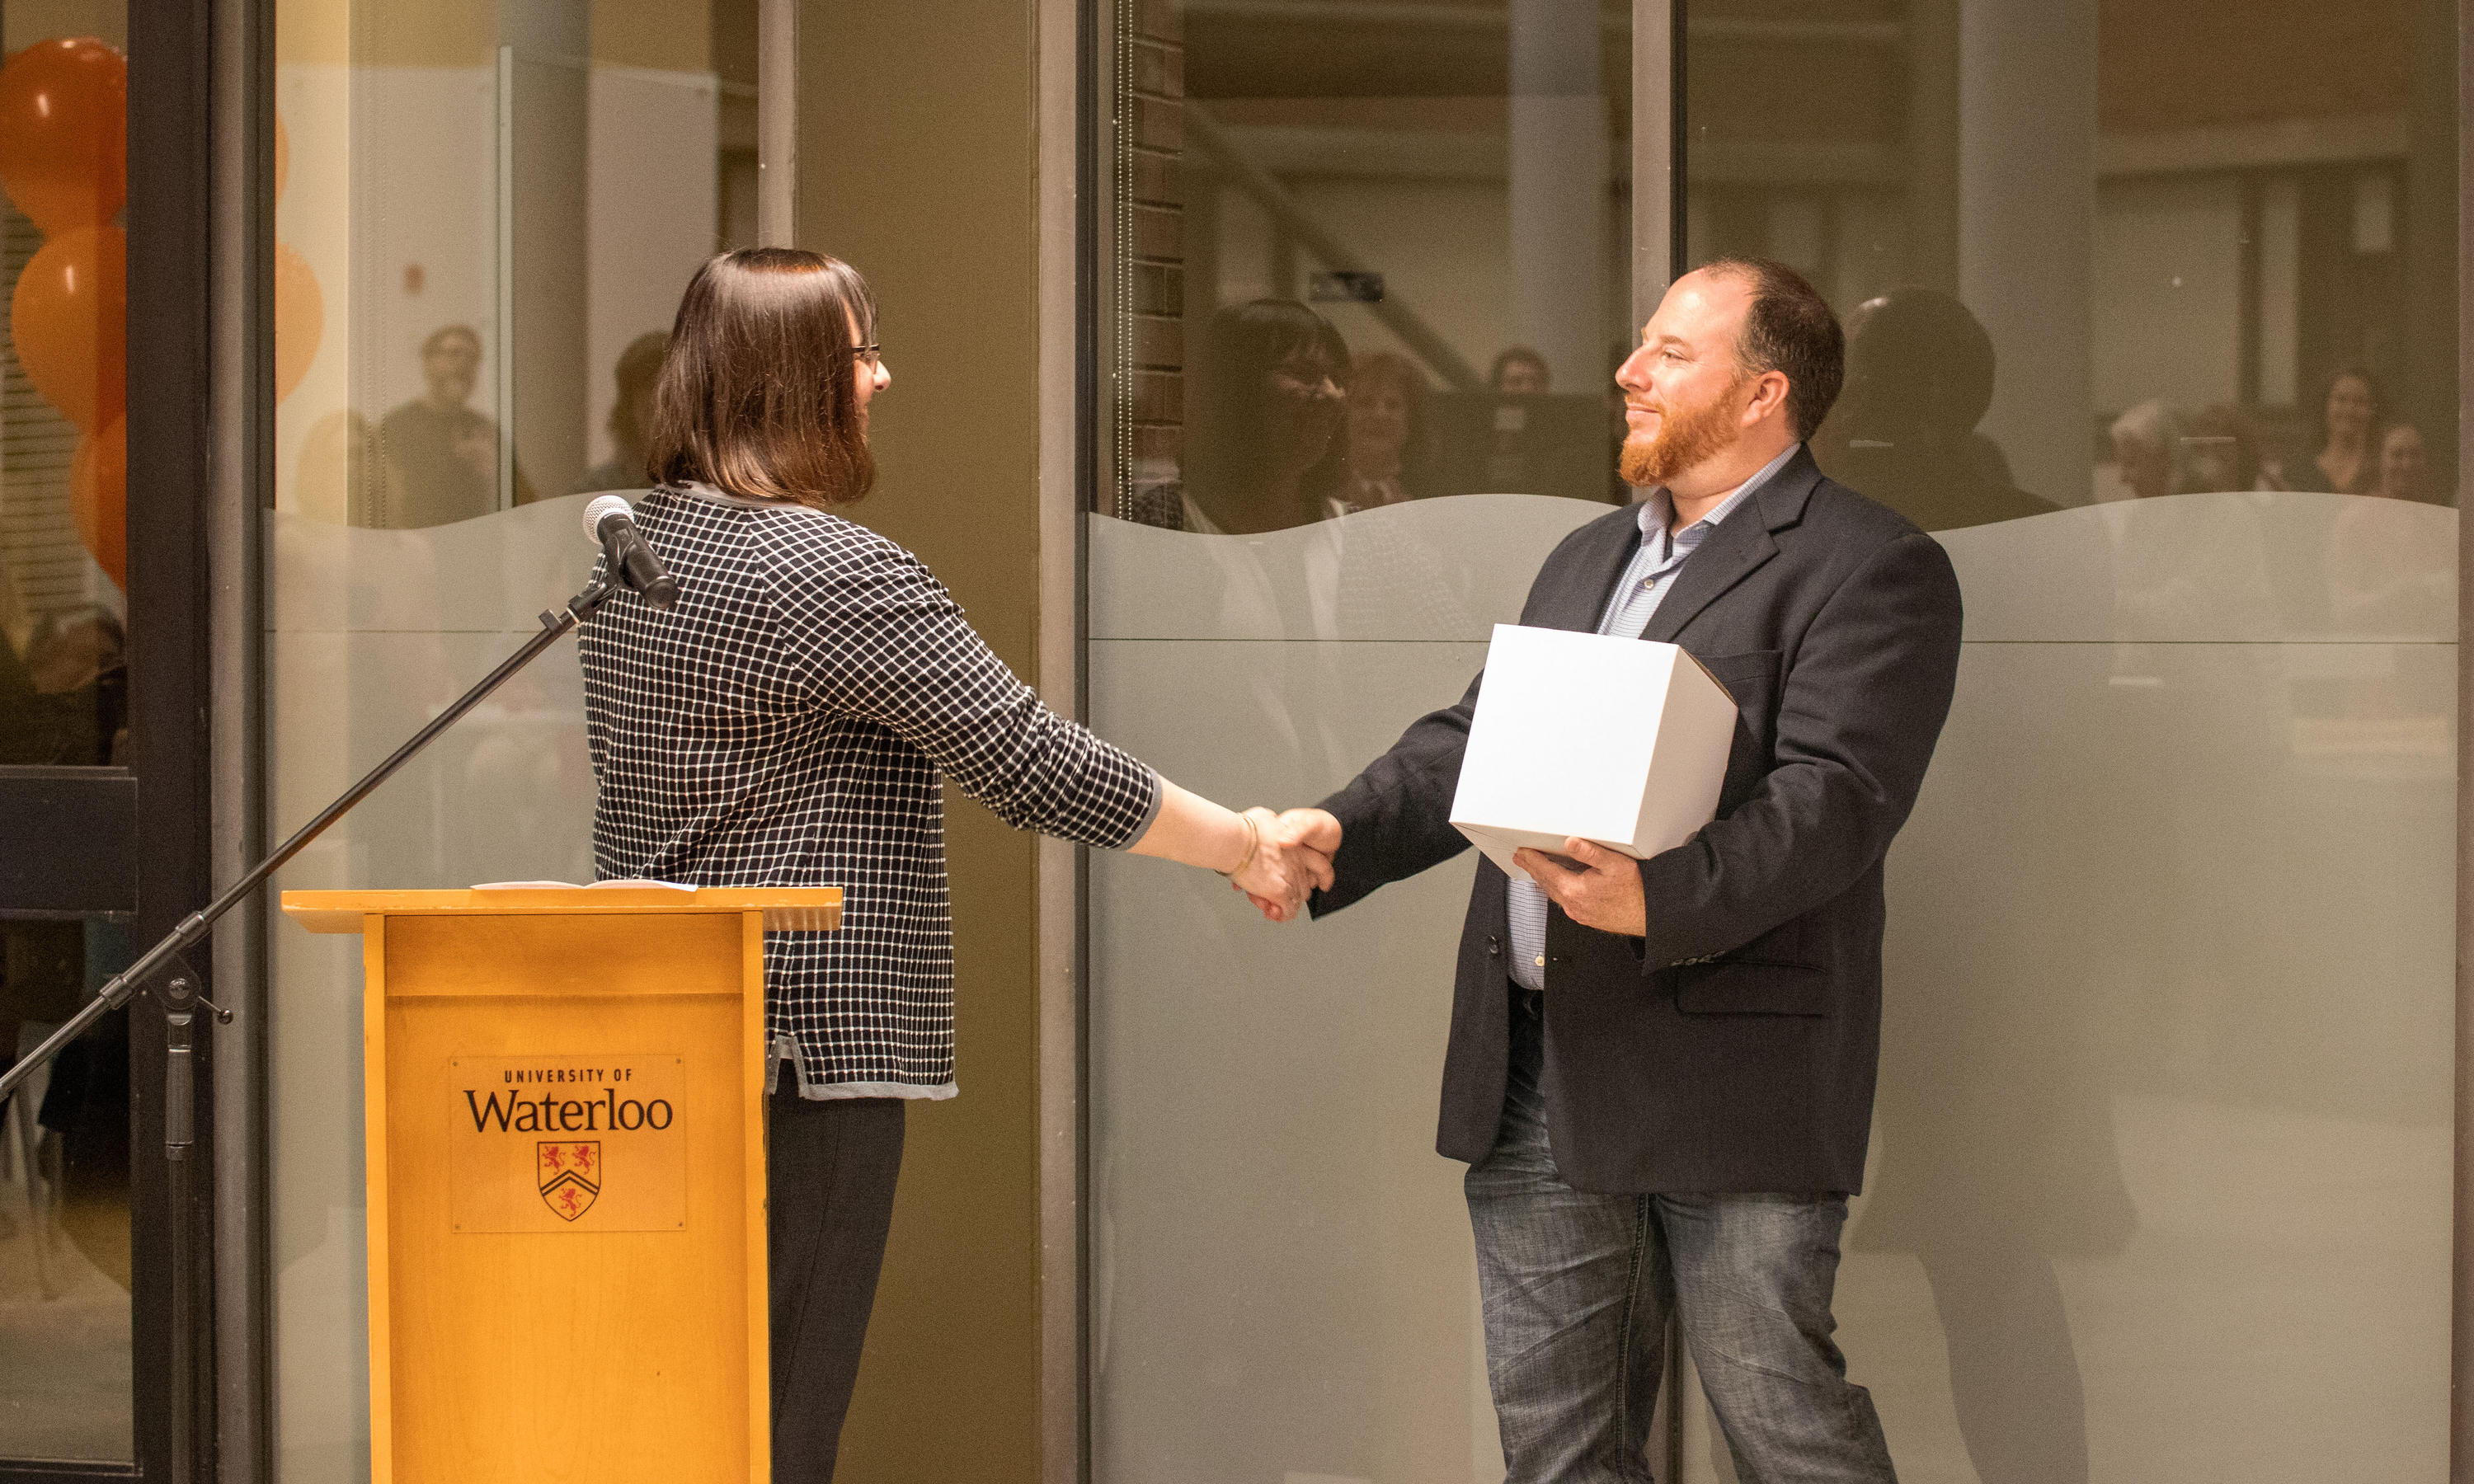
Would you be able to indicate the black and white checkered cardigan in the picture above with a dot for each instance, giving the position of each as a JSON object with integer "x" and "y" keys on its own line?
{"x": 787, "y": 724}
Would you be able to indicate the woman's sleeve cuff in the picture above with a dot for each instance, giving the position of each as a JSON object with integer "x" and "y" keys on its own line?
{"x": 1151, "y": 815}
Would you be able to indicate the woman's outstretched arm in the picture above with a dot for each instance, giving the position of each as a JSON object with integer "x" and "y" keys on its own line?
{"x": 876, "y": 634}
{"x": 1250, "y": 848}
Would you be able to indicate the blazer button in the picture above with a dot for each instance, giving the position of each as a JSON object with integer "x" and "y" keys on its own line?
{"x": 1493, "y": 947}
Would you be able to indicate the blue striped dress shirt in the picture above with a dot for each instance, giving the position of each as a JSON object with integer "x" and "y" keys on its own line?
{"x": 1660, "y": 555}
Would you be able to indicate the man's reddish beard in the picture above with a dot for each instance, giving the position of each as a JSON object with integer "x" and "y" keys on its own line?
{"x": 1683, "y": 439}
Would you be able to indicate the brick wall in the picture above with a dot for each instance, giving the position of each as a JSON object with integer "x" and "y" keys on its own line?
{"x": 1151, "y": 237}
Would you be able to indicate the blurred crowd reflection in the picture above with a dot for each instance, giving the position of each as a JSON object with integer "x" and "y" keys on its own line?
{"x": 1288, "y": 427}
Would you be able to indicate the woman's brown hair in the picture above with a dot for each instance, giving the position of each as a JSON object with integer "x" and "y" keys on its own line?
{"x": 757, "y": 396}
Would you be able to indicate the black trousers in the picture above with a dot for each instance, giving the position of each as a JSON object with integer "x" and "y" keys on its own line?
{"x": 829, "y": 1170}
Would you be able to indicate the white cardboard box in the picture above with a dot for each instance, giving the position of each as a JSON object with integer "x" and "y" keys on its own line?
{"x": 1622, "y": 742}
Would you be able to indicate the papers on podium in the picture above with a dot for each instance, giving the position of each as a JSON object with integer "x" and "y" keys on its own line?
{"x": 631, "y": 883}
{"x": 1622, "y": 742}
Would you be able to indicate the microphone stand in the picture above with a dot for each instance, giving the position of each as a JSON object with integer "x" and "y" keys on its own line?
{"x": 181, "y": 995}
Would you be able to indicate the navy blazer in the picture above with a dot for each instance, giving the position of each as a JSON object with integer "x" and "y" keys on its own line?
{"x": 1734, "y": 1047}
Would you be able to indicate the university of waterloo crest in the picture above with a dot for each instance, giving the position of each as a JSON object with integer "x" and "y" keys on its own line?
{"x": 530, "y": 1140}
{"x": 571, "y": 1177}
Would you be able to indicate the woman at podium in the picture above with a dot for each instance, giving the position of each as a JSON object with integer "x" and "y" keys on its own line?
{"x": 788, "y": 722}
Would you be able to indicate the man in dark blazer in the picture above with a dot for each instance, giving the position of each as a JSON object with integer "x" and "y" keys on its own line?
{"x": 1661, "y": 1071}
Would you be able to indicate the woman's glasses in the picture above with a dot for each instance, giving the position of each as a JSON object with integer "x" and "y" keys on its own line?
{"x": 868, "y": 354}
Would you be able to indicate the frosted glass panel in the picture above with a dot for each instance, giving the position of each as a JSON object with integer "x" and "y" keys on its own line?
{"x": 373, "y": 632}
{"x": 2166, "y": 1026}
{"x": 1280, "y": 1264}
{"x": 485, "y": 217}
{"x": 2151, "y": 314}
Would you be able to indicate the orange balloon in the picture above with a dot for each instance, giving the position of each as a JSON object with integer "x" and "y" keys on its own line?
{"x": 299, "y": 319}
{"x": 69, "y": 318}
{"x": 99, "y": 497}
{"x": 64, "y": 132}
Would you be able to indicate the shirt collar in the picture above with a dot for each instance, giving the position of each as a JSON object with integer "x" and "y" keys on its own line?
{"x": 1657, "y": 510}
{"x": 701, "y": 491}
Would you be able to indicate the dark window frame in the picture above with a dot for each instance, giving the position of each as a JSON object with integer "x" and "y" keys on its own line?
{"x": 159, "y": 856}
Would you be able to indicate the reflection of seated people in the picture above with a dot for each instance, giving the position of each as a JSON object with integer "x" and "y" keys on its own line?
{"x": 2386, "y": 569}
{"x": 2348, "y": 459}
{"x": 1265, "y": 451}
{"x": 2385, "y": 572}
{"x": 1919, "y": 379}
{"x": 442, "y": 456}
{"x": 1387, "y": 432}
{"x": 2197, "y": 563}
{"x": 64, "y": 693}
{"x": 2147, "y": 450}
{"x": 64, "y": 702}
{"x": 629, "y": 419}
{"x": 2402, "y": 465}
{"x": 1512, "y": 460}
{"x": 2219, "y": 451}
{"x": 1520, "y": 372}
{"x": 1518, "y": 436}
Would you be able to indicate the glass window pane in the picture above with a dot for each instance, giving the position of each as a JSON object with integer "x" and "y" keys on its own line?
{"x": 64, "y": 466}
{"x": 64, "y": 1230}
{"x": 2151, "y": 312}
{"x": 485, "y": 217}
{"x": 64, "y": 1238}
{"x": 2152, "y": 322}
{"x": 1366, "y": 280}
{"x": 1365, "y": 254}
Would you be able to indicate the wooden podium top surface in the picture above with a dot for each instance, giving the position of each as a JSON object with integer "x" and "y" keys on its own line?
{"x": 786, "y": 908}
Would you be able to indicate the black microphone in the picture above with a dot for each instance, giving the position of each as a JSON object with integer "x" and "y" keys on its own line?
{"x": 608, "y": 518}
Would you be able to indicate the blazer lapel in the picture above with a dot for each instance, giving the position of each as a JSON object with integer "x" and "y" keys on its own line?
{"x": 1576, "y": 599}
{"x": 1740, "y": 544}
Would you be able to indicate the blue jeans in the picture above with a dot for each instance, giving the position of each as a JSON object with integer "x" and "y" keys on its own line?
{"x": 1577, "y": 1290}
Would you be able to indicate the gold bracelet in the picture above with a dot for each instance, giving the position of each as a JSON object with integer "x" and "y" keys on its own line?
{"x": 1253, "y": 845}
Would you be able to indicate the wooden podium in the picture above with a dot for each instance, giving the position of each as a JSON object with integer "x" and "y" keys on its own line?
{"x": 565, "y": 1105}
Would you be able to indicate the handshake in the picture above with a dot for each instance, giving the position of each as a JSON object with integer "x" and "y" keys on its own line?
{"x": 1596, "y": 887}
{"x": 1291, "y": 858}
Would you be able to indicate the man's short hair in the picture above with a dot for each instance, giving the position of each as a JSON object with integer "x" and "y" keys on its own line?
{"x": 1789, "y": 330}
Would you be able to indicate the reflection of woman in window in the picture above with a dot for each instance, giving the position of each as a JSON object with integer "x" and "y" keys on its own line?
{"x": 1386, "y": 427}
{"x": 790, "y": 723}
{"x": 2387, "y": 571}
{"x": 1267, "y": 451}
{"x": 2348, "y": 461}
